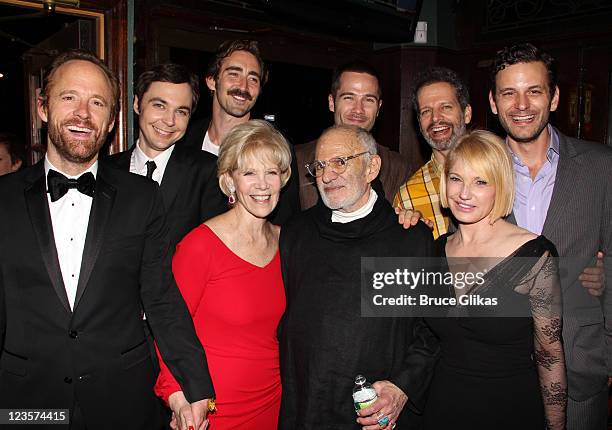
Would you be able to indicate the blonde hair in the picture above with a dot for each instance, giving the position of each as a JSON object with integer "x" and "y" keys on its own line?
{"x": 256, "y": 138}
{"x": 488, "y": 156}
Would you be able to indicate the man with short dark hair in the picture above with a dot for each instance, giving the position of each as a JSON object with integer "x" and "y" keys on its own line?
{"x": 166, "y": 96}
{"x": 235, "y": 77}
{"x": 355, "y": 98}
{"x": 563, "y": 191}
{"x": 83, "y": 248}
{"x": 442, "y": 104}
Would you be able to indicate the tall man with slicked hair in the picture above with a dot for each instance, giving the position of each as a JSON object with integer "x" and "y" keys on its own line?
{"x": 235, "y": 78}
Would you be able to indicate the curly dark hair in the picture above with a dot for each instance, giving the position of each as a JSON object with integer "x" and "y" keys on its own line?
{"x": 171, "y": 73}
{"x": 434, "y": 75}
{"x": 524, "y": 53}
{"x": 227, "y": 48}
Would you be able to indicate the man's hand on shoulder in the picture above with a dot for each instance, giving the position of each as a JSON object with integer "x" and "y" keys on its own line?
{"x": 408, "y": 218}
{"x": 593, "y": 278}
{"x": 383, "y": 413}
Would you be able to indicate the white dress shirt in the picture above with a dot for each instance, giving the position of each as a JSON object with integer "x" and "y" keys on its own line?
{"x": 138, "y": 162}
{"x": 209, "y": 146}
{"x": 70, "y": 218}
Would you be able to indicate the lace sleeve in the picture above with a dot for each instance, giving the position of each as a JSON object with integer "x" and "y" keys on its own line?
{"x": 545, "y": 301}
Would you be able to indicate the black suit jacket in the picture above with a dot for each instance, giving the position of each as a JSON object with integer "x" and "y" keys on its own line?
{"x": 289, "y": 202}
{"x": 97, "y": 353}
{"x": 190, "y": 189}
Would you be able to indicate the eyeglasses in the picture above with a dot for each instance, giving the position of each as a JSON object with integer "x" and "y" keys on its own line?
{"x": 337, "y": 164}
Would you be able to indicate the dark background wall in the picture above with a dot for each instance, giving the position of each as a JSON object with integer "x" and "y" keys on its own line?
{"x": 462, "y": 35}
{"x": 303, "y": 40}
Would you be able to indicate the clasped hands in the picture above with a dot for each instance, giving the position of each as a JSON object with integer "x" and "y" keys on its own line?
{"x": 390, "y": 403}
{"x": 185, "y": 415}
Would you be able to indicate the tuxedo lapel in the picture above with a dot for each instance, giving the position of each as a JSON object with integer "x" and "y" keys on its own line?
{"x": 40, "y": 217}
{"x": 173, "y": 177}
{"x": 101, "y": 207}
{"x": 124, "y": 159}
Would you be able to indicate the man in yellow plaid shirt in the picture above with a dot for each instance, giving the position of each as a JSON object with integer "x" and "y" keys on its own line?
{"x": 442, "y": 104}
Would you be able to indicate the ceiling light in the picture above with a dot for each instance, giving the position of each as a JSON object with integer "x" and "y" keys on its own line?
{"x": 49, "y": 5}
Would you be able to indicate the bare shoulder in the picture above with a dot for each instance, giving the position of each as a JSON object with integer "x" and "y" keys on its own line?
{"x": 220, "y": 226}
{"x": 514, "y": 237}
{"x": 520, "y": 236}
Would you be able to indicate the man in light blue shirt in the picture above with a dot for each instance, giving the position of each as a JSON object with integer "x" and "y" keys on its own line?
{"x": 563, "y": 191}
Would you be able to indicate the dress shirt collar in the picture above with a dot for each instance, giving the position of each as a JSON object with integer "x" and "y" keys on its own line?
{"x": 551, "y": 154}
{"x": 437, "y": 167}
{"x": 161, "y": 159}
{"x": 209, "y": 146}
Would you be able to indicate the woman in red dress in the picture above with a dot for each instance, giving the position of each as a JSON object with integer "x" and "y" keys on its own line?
{"x": 228, "y": 271}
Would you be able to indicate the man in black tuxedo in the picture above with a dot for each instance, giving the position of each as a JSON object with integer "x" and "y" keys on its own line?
{"x": 83, "y": 248}
{"x": 166, "y": 96}
{"x": 235, "y": 77}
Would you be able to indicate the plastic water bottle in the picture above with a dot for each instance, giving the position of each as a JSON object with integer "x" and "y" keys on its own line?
{"x": 363, "y": 393}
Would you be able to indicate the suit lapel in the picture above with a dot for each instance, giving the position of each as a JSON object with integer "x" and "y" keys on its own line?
{"x": 124, "y": 160}
{"x": 564, "y": 178}
{"x": 196, "y": 131}
{"x": 564, "y": 184}
{"x": 101, "y": 207}
{"x": 40, "y": 217}
{"x": 173, "y": 177}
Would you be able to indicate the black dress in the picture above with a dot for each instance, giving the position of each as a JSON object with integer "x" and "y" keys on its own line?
{"x": 487, "y": 377}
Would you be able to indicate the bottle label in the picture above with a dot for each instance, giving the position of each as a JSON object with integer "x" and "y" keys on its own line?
{"x": 364, "y": 398}
{"x": 362, "y": 405}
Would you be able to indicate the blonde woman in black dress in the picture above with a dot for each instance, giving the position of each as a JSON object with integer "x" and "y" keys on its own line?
{"x": 501, "y": 370}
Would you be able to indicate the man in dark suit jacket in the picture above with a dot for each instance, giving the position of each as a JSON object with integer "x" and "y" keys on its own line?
{"x": 83, "y": 248}
{"x": 235, "y": 77}
{"x": 563, "y": 191}
{"x": 166, "y": 95}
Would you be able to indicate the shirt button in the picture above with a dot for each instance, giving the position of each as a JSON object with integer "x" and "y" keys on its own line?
{"x": 533, "y": 208}
{"x": 73, "y": 334}
{"x": 72, "y": 275}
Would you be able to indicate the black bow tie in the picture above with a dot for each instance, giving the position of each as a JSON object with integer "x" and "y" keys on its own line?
{"x": 59, "y": 184}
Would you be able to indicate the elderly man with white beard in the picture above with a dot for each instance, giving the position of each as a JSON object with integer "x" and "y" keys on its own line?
{"x": 324, "y": 339}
